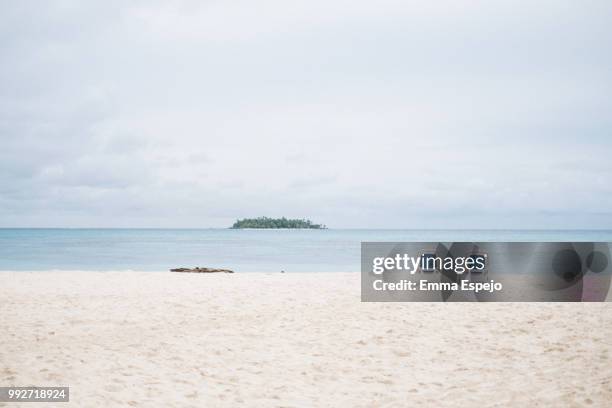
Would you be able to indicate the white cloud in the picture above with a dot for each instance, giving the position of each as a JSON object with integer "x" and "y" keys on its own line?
{"x": 389, "y": 114}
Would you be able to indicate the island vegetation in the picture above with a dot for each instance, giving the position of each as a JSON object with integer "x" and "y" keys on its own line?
{"x": 266, "y": 222}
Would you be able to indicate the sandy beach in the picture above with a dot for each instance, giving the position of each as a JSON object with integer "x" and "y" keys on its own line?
{"x": 292, "y": 340}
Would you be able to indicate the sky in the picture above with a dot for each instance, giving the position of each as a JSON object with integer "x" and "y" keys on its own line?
{"x": 355, "y": 114}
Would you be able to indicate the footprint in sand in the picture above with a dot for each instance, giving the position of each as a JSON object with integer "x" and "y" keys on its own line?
{"x": 112, "y": 388}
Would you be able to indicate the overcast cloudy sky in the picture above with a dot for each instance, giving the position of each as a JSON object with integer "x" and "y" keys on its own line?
{"x": 401, "y": 114}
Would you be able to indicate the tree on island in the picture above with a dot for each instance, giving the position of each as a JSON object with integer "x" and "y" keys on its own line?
{"x": 266, "y": 222}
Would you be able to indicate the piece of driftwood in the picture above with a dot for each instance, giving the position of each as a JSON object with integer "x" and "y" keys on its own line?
{"x": 201, "y": 270}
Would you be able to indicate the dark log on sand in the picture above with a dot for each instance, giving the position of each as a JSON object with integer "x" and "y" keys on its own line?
{"x": 201, "y": 270}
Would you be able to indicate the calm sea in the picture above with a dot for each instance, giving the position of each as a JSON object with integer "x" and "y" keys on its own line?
{"x": 240, "y": 250}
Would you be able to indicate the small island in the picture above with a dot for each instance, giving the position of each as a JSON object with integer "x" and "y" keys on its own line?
{"x": 266, "y": 222}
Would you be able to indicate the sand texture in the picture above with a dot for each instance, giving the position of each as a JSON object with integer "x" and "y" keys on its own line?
{"x": 292, "y": 340}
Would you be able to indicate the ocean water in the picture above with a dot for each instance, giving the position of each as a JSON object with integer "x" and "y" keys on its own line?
{"x": 241, "y": 250}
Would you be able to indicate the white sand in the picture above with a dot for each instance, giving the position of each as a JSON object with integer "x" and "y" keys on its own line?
{"x": 292, "y": 340}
